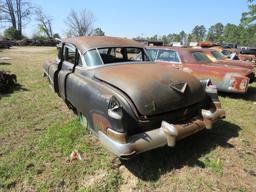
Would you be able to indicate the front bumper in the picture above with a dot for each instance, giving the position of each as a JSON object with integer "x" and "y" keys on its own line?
{"x": 251, "y": 76}
{"x": 167, "y": 134}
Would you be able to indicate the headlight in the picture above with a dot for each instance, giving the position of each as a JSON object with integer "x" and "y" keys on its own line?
{"x": 114, "y": 108}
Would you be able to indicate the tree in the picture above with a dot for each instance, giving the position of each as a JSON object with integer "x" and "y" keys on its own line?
{"x": 80, "y": 24}
{"x": 249, "y": 17}
{"x": 10, "y": 33}
{"x": 153, "y": 38}
{"x": 165, "y": 40}
{"x": 231, "y": 33}
{"x": 183, "y": 37}
{"x": 174, "y": 37}
{"x": 15, "y": 12}
{"x": 44, "y": 23}
{"x": 198, "y": 33}
{"x": 215, "y": 33}
{"x": 99, "y": 32}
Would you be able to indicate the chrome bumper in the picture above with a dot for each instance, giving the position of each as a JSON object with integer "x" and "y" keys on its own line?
{"x": 167, "y": 134}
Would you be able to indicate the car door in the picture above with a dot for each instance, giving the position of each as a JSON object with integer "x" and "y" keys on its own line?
{"x": 67, "y": 67}
{"x": 52, "y": 69}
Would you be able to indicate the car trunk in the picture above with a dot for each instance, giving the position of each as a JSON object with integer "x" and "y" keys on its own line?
{"x": 154, "y": 89}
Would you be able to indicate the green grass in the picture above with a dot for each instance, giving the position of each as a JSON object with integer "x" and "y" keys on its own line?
{"x": 38, "y": 133}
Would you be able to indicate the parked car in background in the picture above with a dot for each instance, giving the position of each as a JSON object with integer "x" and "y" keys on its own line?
{"x": 234, "y": 54}
{"x": 249, "y": 51}
{"x": 194, "y": 61}
{"x": 218, "y": 58}
{"x": 131, "y": 104}
{"x": 5, "y": 44}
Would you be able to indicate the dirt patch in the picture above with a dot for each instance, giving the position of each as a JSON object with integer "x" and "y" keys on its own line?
{"x": 91, "y": 180}
{"x": 129, "y": 181}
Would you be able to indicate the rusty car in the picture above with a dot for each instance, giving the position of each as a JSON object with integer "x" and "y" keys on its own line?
{"x": 248, "y": 51}
{"x": 234, "y": 54}
{"x": 219, "y": 58}
{"x": 192, "y": 60}
{"x": 5, "y": 44}
{"x": 131, "y": 104}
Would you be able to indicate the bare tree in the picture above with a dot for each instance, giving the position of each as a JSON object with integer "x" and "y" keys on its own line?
{"x": 44, "y": 23}
{"x": 80, "y": 24}
{"x": 15, "y": 12}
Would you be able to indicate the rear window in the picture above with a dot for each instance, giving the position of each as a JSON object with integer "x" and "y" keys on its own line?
{"x": 115, "y": 55}
{"x": 200, "y": 57}
{"x": 92, "y": 58}
{"x": 122, "y": 54}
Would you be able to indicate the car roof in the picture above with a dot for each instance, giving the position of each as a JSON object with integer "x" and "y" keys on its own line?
{"x": 185, "y": 53}
{"x": 180, "y": 49}
{"x": 85, "y": 43}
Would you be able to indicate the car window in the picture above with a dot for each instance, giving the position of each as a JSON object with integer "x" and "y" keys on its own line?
{"x": 217, "y": 55}
{"x": 122, "y": 54}
{"x": 200, "y": 57}
{"x": 92, "y": 58}
{"x": 226, "y": 52}
{"x": 168, "y": 55}
{"x": 69, "y": 54}
{"x": 114, "y": 55}
{"x": 152, "y": 53}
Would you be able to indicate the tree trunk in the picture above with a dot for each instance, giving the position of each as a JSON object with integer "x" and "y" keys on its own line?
{"x": 19, "y": 30}
{"x": 11, "y": 12}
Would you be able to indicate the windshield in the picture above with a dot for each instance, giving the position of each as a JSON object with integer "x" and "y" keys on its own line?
{"x": 199, "y": 56}
{"x": 164, "y": 55}
{"x": 115, "y": 55}
{"x": 152, "y": 53}
{"x": 168, "y": 55}
{"x": 217, "y": 55}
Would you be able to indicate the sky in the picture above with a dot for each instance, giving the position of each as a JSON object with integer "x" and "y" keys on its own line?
{"x": 132, "y": 18}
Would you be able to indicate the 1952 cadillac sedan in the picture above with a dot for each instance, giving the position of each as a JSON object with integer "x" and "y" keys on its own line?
{"x": 227, "y": 78}
{"x": 131, "y": 104}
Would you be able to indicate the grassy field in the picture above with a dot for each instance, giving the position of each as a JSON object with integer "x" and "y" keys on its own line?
{"x": 38, "y": 134}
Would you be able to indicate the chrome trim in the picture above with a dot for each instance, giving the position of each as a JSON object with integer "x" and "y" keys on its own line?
{"x": 115, "y": 132}
{"x": 167, "y": 134}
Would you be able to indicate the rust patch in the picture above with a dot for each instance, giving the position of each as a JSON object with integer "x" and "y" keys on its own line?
{"x": 100, "y": 122}
{"x": 119, "y": 137}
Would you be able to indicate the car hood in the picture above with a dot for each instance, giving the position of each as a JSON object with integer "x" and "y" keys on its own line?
{"x": 236, "y": 63}
{"x": 154, "y": 89}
